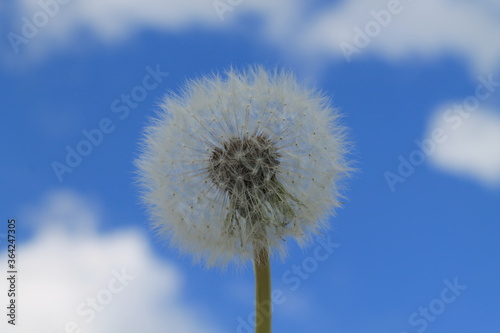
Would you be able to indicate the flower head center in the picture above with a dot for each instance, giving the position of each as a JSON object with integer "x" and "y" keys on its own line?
{"x": 244, "y": 165}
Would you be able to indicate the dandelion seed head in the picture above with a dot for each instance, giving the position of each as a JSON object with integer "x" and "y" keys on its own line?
{"x": 242, "y": 161}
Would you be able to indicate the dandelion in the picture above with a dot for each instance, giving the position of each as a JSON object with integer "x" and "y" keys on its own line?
{"x": 239, "y": 163}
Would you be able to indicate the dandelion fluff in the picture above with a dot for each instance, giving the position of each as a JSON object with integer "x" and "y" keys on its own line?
{"x": 241, "y": 162}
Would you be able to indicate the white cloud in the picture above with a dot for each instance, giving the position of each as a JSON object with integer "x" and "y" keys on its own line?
{"x": 68, "y": 264}
{"x": 472, "y": 147}
{"x": 116, "y": 20}
{"x": 426, "y": 28}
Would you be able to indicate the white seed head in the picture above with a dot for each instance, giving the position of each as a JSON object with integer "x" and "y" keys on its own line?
{"x": 241, "y": 162}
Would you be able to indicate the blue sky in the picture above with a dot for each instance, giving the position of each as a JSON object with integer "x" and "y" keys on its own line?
{"x": 416, "y": 220}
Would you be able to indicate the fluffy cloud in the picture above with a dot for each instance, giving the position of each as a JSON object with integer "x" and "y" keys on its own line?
{"x": 426, "y": 28}
{"x": 396, "y": 29}
{"x": 72, "y": 278}
{"x": 472, "y": 146}
{"x": 114, "y": 18}
{"x": 43, "y": 25}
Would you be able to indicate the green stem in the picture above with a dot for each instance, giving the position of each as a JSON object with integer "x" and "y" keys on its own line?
{"x": 262, "y": 291}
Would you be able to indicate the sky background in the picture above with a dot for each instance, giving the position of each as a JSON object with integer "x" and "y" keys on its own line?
{"x": 417, "y": 219}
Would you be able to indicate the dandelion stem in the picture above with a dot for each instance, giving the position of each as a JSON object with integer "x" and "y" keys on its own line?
{"x": 262, "y": 291}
